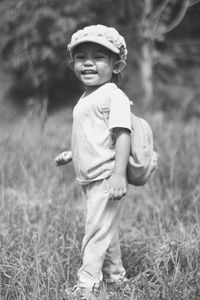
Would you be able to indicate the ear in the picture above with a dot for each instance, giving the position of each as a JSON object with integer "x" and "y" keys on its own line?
{"x": 119, "y": 65}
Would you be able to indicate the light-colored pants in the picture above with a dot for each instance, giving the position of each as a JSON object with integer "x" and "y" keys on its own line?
{"x": 100, "y": 248}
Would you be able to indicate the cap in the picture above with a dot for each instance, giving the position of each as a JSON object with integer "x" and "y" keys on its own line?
{"x": 105, "y": 36}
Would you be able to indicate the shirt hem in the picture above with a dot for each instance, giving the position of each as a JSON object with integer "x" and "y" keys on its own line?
{"x": 85, "y": 182}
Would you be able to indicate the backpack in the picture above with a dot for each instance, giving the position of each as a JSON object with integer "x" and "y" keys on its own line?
{"x": 143, "y": 159}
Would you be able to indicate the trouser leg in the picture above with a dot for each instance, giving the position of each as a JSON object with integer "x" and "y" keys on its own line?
{"x": 113, "y": 269}
{"x": 102, "y": 222}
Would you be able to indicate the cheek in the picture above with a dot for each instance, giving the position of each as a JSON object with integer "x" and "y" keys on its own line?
{"x": 107, "y": 71}
{"x": 106, "y": 68}
{"x": 77, "y": 68}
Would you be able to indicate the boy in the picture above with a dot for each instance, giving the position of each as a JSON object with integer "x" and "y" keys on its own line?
{"x": 100, "y": 152}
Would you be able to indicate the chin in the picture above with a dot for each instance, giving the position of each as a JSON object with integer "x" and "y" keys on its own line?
{"x": 85, "y": 82}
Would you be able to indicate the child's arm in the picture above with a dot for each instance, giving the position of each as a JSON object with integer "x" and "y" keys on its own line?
{"x": 63, "y": 158}
{"x": 118, "y": 180}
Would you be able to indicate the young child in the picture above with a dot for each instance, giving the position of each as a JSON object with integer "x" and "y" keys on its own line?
{"x": 100, "y": 152}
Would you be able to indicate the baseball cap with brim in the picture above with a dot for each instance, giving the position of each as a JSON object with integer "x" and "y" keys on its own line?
{"x": 95, "y": 39}
{"x": 107, "y": 37}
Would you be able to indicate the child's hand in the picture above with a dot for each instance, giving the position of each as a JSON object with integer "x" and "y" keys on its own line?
{"x": 117, "y": 186}
{"x": 63, "y": 158}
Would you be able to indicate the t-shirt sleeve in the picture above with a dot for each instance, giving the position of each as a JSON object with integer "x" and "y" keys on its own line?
{"x": 120, "y": 113}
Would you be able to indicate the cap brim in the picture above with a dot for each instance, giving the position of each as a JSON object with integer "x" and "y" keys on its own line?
{"x": 95, "y": 39}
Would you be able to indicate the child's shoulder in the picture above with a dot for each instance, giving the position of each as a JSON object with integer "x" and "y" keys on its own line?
{"x": 113, "y": 91}
{"x": 111, "y": 88}
{"x": 113, "y": 96}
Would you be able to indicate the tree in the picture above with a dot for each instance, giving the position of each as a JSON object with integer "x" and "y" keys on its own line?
{"x": 34, "y": 35}
{"x": 34, "y": 46}
{"x": 158, "y": 18}
{"x": 143, "y": 23}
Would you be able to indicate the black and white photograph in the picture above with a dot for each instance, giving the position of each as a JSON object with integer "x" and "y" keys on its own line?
{"x": 100, "y": 150}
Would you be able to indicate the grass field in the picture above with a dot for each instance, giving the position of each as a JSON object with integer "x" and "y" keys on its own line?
{"x": 42, "y": 215}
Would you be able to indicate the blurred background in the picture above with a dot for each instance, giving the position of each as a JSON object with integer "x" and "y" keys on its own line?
{"x": 41, "y": 211}
{"x": 163, "y": 41}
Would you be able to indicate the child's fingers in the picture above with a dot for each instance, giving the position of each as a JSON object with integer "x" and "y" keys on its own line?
{"x": 57, "y": 162}
{"x": 61, "y": 162}
{"x": 63, "y": 158}
{"x": 67, "y": 156}
{"x": 113, "y": 193}
{"x": 116, "y": 194}
{"x": 120, "y": 194}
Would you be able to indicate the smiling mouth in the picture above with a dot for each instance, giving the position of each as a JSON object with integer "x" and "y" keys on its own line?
{"x": 88, "y": 72}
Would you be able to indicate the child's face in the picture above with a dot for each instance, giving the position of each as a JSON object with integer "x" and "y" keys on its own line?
{"x": 93, "y": 64}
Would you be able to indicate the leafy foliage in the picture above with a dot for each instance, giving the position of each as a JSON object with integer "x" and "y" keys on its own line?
{"x": 35, "y": 36}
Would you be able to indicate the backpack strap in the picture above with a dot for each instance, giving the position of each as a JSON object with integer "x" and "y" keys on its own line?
{"x": 105, "y": 110}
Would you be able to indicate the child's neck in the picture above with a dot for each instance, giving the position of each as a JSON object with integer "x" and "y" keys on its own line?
{"x": 91, "y": 89}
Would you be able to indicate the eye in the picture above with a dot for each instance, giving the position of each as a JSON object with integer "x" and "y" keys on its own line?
{"x": 79, "y": 56}
{"x": 100, "y": 55}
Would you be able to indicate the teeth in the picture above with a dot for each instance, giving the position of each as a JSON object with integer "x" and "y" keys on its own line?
{"x": 89, "y": 72}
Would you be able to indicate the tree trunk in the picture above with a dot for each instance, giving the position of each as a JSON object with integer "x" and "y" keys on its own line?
{"x": 147, "y": 50}
{"x": 146, "y": 69}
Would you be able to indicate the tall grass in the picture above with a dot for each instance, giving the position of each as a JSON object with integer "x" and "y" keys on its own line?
{"x": 42, "y": 215}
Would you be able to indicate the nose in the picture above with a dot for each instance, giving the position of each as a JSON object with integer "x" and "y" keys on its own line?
{"x": 88, "y": 61}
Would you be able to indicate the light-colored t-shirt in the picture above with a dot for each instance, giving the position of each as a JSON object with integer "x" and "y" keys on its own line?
{"x": 94, "y": 117}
